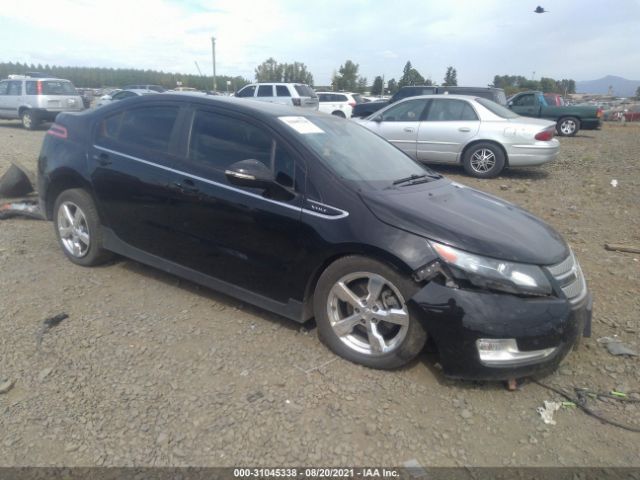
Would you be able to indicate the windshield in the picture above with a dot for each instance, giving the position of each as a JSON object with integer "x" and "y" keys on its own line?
{"x": 355, "y": 153}
{"x": 496, "y": 108}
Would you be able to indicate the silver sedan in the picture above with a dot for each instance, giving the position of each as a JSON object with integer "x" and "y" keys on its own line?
{"x": 456, "y": 129}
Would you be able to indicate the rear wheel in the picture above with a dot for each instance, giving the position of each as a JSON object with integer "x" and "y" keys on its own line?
{"x": 339, "y": 113}
{"x": 568, "y": 126}
{"x": 29, "y": 119}
{"x": 362, "y": 314}
{"x": 77, "y": 227}
{"x": 484, "y": 160}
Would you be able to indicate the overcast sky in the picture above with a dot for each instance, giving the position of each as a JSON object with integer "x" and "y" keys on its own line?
{"x": 579, "y": 39}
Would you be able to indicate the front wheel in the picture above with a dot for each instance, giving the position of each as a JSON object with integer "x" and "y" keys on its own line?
{"x": 361, "y": 311}
{"x": 568, "y": 126}
{"x": 484, "y": 160}
{"x": 77, "y": 227}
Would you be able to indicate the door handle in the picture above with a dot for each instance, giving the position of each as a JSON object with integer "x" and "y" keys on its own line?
{"x": 409, "y": 129}
{"x": 464, "y": 129}
{"x": 186, "y": 186}
{"x": 103, "y": 160}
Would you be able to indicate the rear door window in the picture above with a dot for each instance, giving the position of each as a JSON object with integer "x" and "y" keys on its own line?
{"x": 282, "y": 91}
{"x": 145, "y": 129}
{"x": 442, "y": 110}
{"x": 265, "y": 91}
{"x": 14, "y": 87}
{"x": 31, "y": 87}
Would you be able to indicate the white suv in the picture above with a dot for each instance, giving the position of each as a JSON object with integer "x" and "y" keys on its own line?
{"x": 339, "y": 103}
{"x": 296, "y": 94}
{"x": 34, "y": 99}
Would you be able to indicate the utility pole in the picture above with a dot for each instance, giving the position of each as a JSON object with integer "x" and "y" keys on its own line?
{"x": 213, "y": 50}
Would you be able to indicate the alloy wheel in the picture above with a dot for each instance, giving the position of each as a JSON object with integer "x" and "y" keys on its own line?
{"x": 567, "y": 127}
{"x": 73, "y": 229}
{"x": 483, "y": 160}
{"x": 368, "y": 313}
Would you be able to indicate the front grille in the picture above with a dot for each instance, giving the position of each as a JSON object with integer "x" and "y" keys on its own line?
{"x": 570, "y": 278}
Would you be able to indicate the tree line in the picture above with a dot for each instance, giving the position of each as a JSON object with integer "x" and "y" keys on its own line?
{"x": 517, "y": 83}
{"x": 95, "y": 77}
{"x": 345, "y": 78}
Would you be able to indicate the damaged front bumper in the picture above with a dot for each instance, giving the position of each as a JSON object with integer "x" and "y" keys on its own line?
{"x": 497, "y": 336}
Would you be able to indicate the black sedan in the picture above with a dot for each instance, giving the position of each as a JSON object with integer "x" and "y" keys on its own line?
{"x": 307, "y": 215}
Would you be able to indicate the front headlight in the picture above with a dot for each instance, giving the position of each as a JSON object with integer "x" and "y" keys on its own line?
{"x": 494, "y": 274}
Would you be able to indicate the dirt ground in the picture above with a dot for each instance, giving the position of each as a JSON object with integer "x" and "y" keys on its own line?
{"x": 152, "y": 370}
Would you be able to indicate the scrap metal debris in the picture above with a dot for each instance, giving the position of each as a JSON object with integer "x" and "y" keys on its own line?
{"x": 27, "y": 208}
{"x": 6, "y": 386}
{"x": 16, "y": 182}
{"x": 547, "y": 412}
{"x": 616, "y": 247}
{"x": 616, "y": 347}
{"x": 49, "y": 323}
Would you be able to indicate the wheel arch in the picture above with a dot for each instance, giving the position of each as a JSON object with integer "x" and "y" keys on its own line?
{"x": 348, "y": 250}
{"x": 486, "y": 140}
{"x": 64, "y": 179}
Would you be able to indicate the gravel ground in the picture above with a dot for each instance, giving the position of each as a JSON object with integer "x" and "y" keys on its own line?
{"x": 152, "y": 370}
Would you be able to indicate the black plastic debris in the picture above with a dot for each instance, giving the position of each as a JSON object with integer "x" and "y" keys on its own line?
{"x": 26, "y": 208}
{"x": 48, "y": 324}
{"x": 16, "y": 182}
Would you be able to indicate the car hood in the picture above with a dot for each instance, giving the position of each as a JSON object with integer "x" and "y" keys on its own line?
{"x": 470, "y": 220}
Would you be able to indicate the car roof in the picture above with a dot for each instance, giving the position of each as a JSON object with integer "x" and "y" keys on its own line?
{"x": 443, "y": 95}
{"x": 40, "y": 79}
{"x": 246, "y": 106}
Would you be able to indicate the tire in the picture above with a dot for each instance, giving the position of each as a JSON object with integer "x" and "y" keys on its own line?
{"x": 77, "y": 226}
{"x": 367, "y": 339}
{"x": 29, "y": 120}
{"x": 484, "y": 160}
{"x": 568, "y": 126}
{"x": 338, "y": 113}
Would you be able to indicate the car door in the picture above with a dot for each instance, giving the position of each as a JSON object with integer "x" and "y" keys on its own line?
{"x": 265, "y": 93}
{"x": 525, "y": 104}
{"x": 4, "y": 99}
{"x": 449, "y": 124}
{"x": 247, "y": 237}
{"x": 131, "y": 165}
{"x": 399, "y": 124}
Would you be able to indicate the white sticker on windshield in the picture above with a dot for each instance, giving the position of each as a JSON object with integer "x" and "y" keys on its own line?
{"x": 301, "y": 124}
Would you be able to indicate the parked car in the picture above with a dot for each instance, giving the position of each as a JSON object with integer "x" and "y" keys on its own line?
{"x": 632, "y": 114}
{"x": 569, "y": 119}
{"x": 122, "y": 94}
{"x": 475, "y": 132}
{"x": 296, "y": 94}
{"x": 305, "y": 214}
{"x": 339, "y": 104}
{"x": 491, "y": 93}
{"x": 36, "y": 99}
{"x": 155, "y": 88}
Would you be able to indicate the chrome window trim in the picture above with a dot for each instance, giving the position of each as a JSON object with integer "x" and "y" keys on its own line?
{"x": 228, "y": 187}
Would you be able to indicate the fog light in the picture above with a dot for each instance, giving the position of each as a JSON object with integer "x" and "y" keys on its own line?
{"x": 498, "y": 352}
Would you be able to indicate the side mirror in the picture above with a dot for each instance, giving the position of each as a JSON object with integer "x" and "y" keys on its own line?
{"x": 250, "y": 173}
{"x": 510, "y": 104}
{"x": 377, "y": 118}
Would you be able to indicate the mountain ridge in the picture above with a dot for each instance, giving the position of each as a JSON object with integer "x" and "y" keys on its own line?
{"x": 620, "y": 86}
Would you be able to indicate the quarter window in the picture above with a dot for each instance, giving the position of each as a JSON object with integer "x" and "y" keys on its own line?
{"x": 450, "y": 111}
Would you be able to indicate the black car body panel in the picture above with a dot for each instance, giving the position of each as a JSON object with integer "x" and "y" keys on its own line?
{"x": 469, "y": 219}
{"x": 269, "y": 246}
